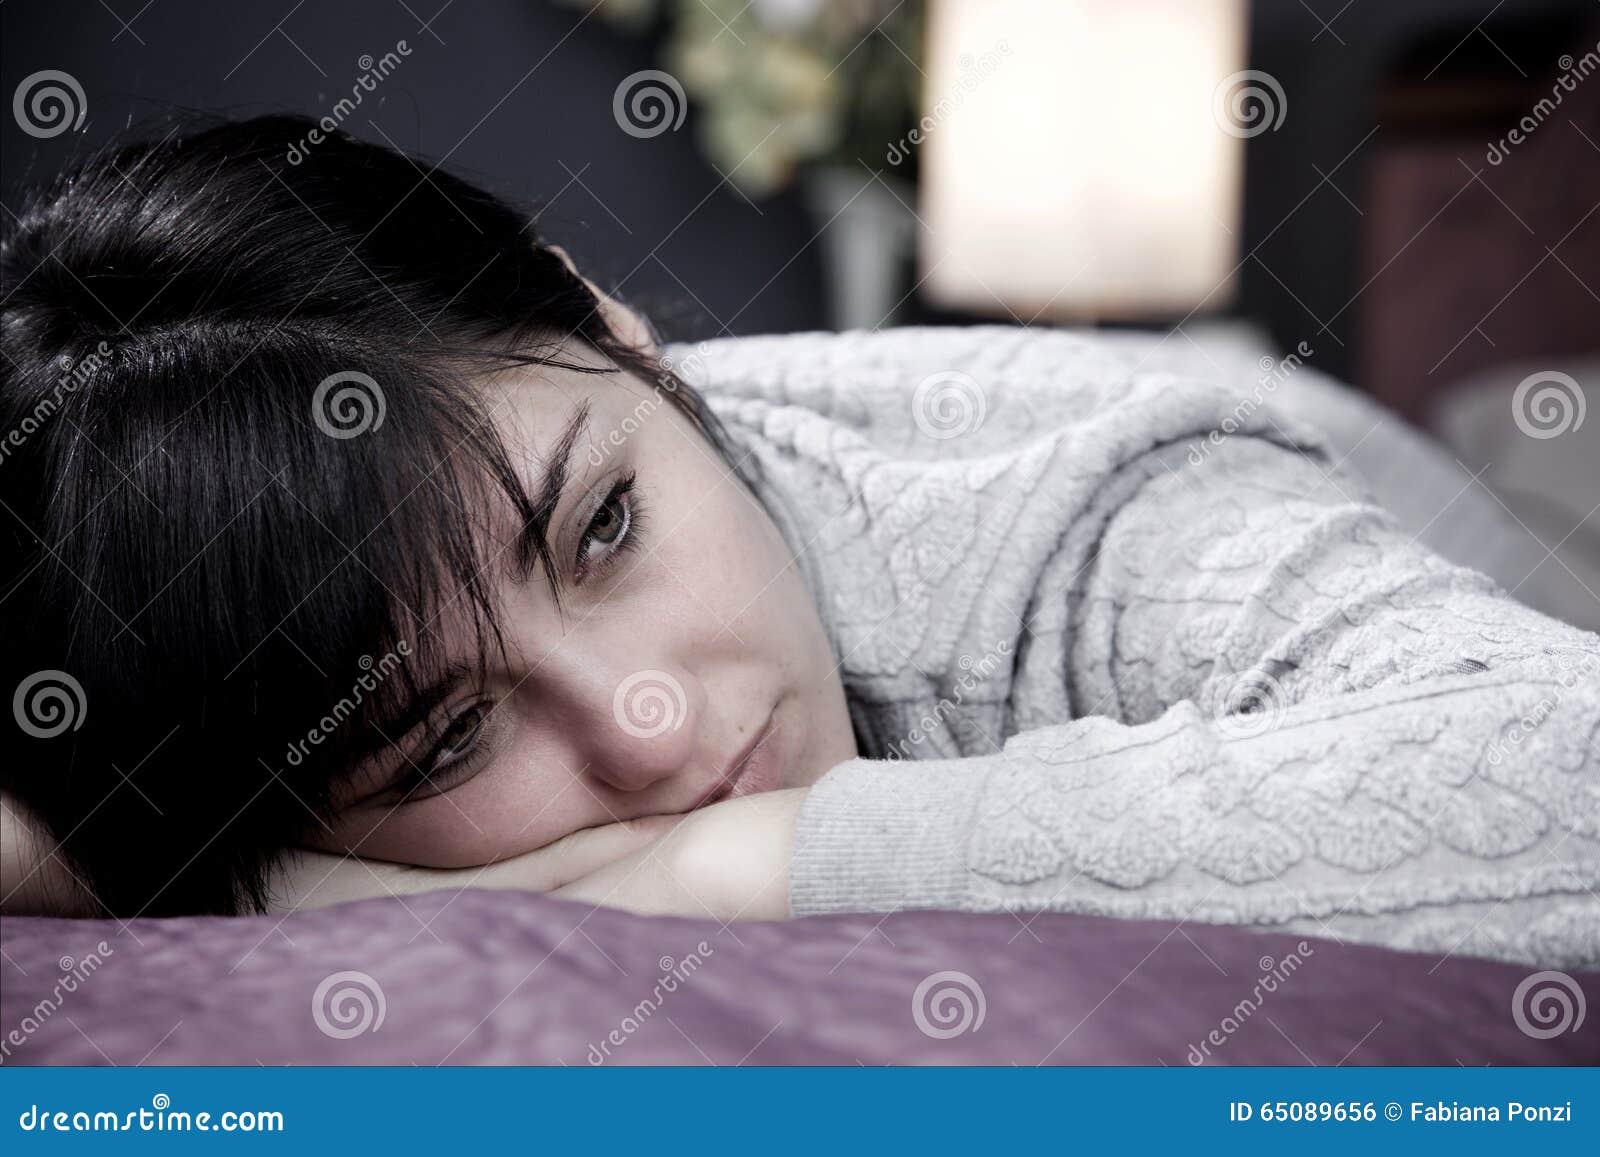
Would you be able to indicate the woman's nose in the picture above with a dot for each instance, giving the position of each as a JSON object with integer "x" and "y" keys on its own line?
{"x": 644, "y": 725}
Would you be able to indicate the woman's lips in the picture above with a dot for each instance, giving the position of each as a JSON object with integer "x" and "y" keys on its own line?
{"x": 758, "y": 767}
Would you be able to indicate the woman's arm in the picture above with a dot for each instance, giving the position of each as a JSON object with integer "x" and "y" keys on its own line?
{"x": 314, "y": 879}
{"x": 727, "y": 861}
{"x": 1296, "y": 715}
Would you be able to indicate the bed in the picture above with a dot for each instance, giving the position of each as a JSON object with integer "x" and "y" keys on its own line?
{"x": 481, "y": 977}
{"x": 478, "y": 977}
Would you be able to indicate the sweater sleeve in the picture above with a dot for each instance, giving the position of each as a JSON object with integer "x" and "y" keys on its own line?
{"x": 1292, "y": 716}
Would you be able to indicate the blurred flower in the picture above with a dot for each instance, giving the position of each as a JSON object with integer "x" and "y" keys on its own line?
{"x": 786, "y": 15}
{"x": 630, "y": 15}
{"x": 783, "y": 83}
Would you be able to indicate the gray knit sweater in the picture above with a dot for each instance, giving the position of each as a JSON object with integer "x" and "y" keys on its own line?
{"x": 1126, "y": 643}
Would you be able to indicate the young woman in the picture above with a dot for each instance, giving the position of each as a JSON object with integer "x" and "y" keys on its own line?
{"x": 358, "y": 544}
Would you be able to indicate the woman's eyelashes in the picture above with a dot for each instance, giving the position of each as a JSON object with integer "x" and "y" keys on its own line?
{"x": 455, "y": 757}
{"x": 613, "y": 529}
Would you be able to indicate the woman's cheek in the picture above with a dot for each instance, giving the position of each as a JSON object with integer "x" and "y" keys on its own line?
{"x": 738, "y": 560}
{"x": 457, "y": 829}
{"x": 431, "y": 833}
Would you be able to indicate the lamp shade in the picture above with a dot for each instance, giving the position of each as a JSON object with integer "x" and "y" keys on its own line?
{"x": 1083, "y": 159}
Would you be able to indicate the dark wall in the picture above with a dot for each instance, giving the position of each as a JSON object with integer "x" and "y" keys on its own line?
{"x": 1304, "y": 275}
{"x": 514, "y": 92}
{"x": 518, "y": 93}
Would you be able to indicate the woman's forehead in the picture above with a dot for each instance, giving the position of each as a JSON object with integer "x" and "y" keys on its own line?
{"x": 536, "y": 405}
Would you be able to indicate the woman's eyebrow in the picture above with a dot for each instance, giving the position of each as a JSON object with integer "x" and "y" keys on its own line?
{"x": 533, "y": 541}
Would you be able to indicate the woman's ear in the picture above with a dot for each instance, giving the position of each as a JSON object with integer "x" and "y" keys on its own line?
{"x": 629, "y": 326}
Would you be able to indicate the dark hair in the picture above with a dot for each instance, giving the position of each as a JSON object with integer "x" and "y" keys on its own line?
{"x": 197, "y": 566}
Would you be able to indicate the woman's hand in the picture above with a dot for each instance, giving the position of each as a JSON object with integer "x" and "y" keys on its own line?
{"x": 729, "y": 861}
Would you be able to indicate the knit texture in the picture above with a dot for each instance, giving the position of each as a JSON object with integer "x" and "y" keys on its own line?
{"x": 1128, "y": 643}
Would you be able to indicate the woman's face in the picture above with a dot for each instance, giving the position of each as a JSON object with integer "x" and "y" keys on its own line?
{"x": 686, "y": 661}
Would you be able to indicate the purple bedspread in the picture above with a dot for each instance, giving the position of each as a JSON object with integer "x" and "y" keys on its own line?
{"x": 497, "y": 977}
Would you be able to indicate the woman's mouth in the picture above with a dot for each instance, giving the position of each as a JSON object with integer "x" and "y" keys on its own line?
{"x": 757, "y": 767}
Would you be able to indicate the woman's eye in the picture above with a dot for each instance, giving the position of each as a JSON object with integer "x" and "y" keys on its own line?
{"x": 461, "y": 749}
{"x": 608, "y": 523}
{"x": 458, "y": 740}
{"x": 611, "y": 530}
